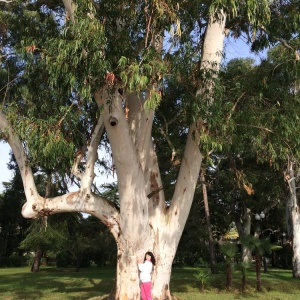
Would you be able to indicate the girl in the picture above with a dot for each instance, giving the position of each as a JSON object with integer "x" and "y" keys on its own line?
{"x": 146, "y": 269}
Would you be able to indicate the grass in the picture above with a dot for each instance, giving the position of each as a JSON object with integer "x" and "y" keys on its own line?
{"x": 54, "y": 284}
{"x": 95, "y": 283}
{"x": 277, "y": 284}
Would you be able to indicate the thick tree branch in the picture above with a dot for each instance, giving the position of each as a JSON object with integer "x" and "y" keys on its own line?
{"x": 30, "y": 190}
{"x": 140, "y": 123}
{"x": 78, "y": 202}
{"x": 188, "y": 174}
{"x": 130, "y": 175}
{"x": 81, "y": 201}
{"x": 282, "y": 41}
{"x": 192, "y": 159}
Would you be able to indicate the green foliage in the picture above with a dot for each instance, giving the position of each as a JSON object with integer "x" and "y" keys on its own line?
{"x": 284, "y": 26}
{"x": 64, "y": 259}
{"x": 45, "y": 235}
{"x": 256, "y": 12}
{"x": 143, "y": 75}
{"x": 13, "y": 261}
{"x": 229, "y": 250}
{"x": 257, "y": 113}
{"x": 110, "y": 191}
{"x": 72, "y": 59}
{"x": 13, "y": 225}
{"x": 75, "y": 240}
{"x": 203, "y": 275}
{"x": 76, "y": 58}
{"x": 259, "y": 246}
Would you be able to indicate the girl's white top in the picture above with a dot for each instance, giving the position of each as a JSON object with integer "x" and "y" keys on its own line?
{"x": 145, "y": 271}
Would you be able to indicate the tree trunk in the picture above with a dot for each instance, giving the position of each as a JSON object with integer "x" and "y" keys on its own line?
{"x": 244, "y": 281}
{"x": 37, "y": 261}
{"x": 244, "y": 228}
{"x": 264, "y": 259}
{"x": 296, "y": 242}
{"x": 145, "y": 223}
{"x": 293, "y": 207}
{"x": 127, "y": 279}
{"x": 258, "y": 273}
{"x": 228, "y": 276}
{"x": 208, "y": 224}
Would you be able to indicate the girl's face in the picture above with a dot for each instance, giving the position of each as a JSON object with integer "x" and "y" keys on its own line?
{"x": 148, "y": 257}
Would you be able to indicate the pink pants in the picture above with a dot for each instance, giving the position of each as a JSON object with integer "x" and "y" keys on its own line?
{"x": 146, "y": 290}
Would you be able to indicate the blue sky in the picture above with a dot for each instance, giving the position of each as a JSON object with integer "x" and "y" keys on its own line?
{"x": 5, "y": 174}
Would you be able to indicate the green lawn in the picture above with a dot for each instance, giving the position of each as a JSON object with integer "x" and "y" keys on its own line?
{"x": 54, "y": 284}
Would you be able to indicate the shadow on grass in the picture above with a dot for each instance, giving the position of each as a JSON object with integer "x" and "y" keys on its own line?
{"x": 96, "y": 283}
{"x": 56, "y": 284}
{"x": 275, "y": 284}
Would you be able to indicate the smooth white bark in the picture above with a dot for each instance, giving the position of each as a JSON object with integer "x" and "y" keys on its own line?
{"x": 294, "y": 218}
{"x": 244, "y": 227}
{"x": 30, "y": 190}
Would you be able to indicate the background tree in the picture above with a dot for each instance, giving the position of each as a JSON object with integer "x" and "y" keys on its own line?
{"x": 279, "y": 104}
{"x": 282, "y": 61}
{"x": 229, "y": 250}
{"x": 43, "y": 238}
{"x": 259, "y": 246}
{"x": 13, "y": 225}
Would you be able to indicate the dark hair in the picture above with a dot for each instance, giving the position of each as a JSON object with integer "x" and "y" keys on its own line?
{"x": 152, "y": 257}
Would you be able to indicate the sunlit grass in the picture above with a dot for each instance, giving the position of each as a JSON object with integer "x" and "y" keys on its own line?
{"x": 277, "y": 284}
{"x": 96, "y": 283}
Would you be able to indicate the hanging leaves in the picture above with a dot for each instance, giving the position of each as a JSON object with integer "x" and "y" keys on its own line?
{"x": 143, "y": 76}
{"x": 76, "y": 58}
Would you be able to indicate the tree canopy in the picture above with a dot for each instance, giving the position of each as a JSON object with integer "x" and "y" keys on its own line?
{"x": 141, "y": 78}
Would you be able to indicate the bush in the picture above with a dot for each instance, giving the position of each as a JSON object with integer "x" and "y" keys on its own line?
{"x": 64, "y": 260}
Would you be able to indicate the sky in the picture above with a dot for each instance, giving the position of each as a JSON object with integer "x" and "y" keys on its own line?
{"x": 234, "y": 49}
{"x": 5, "y": 174}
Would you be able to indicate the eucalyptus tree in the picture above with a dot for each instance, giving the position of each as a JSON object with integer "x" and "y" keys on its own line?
{"x": 239, "y": 188}
{"x": 270, "y": 133}
{"x": 73, "y": 70}
{"x": 289, "y": 102}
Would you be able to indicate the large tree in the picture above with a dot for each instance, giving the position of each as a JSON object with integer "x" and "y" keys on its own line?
{"x": 88, "y": 71}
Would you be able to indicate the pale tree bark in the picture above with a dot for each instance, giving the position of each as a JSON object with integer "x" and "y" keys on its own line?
{"x": 143, "y": 221}
{"x": 70, "y": 7}
{"x": 294, "y": 217}
{"x": 243, "y": 226}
